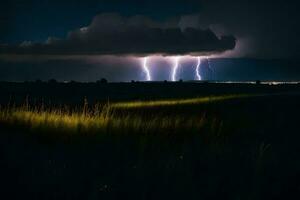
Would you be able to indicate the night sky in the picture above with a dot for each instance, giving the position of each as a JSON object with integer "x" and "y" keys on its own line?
{"x": 87, "y": 40}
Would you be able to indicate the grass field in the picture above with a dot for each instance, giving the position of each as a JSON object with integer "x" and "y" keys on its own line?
{"x": 105, "y": 117}
{"x": 213, "y": 147}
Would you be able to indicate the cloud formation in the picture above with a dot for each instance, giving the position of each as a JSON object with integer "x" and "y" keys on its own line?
{"x": 113, "y": 34}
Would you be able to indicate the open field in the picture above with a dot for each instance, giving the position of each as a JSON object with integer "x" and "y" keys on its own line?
{"x": 241, "y": 144}
{"x": 118, "y": 117}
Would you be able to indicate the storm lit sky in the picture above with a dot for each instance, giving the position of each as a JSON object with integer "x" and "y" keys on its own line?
{"x": 88, "y": 40}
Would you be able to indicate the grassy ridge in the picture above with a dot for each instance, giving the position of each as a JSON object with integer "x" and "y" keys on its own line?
{"x": 176, "y": 102}
{"x": 122, "y": 116}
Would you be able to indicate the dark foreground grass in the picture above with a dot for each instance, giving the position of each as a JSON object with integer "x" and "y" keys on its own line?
{"x": 230, "y": 148}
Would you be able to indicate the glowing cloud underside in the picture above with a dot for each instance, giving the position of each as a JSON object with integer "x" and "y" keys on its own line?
{"x": 174, "y": 72}
{"x": 198, "y": 76}
{"x": 146, "y": 69}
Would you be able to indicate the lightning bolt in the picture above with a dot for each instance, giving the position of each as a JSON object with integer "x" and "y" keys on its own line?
{"x": 146, "y": 69}
{"x": 197, "y": 69}
{"x": 176, "y": 64}
{"x": 209, "y": 67}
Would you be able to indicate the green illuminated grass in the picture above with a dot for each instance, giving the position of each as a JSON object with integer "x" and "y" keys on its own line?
{"x": 113, "y": 117}
{"x": 74, "y": 122}
{"x": 174, "y": 102}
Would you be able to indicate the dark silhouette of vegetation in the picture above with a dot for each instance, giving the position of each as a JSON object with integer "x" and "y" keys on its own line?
{"x": 52, "y": 81}
{"x": 102, "y": 81}
{"x": 73, "y": 82}
{"x": 258, "y": 82}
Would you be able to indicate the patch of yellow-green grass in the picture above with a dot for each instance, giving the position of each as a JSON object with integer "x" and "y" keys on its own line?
{"x": 104, "y": 119}
{"x": 89, "y": 123}
{"x": 55, "y": 120}
{"x": 173, "y": 102}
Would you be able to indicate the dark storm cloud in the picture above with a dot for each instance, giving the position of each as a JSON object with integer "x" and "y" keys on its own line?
{"x": 113, "y": 34}
{"x": 265, "y": 29}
